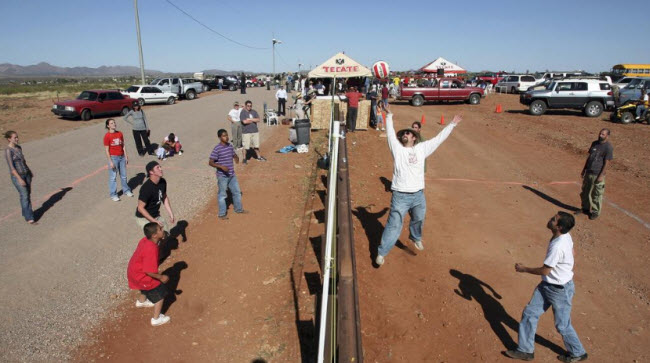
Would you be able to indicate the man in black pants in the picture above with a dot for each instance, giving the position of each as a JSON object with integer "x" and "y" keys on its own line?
{"x": 281, "y": 96}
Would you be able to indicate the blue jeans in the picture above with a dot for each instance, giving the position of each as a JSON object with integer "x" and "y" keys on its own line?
{"x": 120, "y": 165}
{"x": 25, "y": 192}
{"x": 401, "y": 203}
{"x": 544, "y": 297}
{"x": 641, "y": 111}
{"x": 225, "y": 183}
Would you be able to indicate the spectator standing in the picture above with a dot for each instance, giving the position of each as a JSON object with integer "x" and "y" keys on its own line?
{"x": 556, "y": 290}
{"x": 250, "y": 132}
{"x": 21, "y": 175}
{"x": 268, "y": 83}
{"x": 353, "y": 107}
{"x": 416, "y": 126}
{"x": 384, "y": 95}
{"x": 593, "y": 174}
{"x": 289, "y": 82}
{"x": 243, "y": 83}
{"x": 299, "y": 106}
{"x": 372, "y": 96}
{"x": 142, "y": 274}
{"x": 281, "y": 96}
{"x": 220, "y": 82}
{"x": 221, "y": 158}
{"x": 153, "y": 193}
{"x": 235, "y": 125}
{"x": 138, "y": 121}
{"x": 117, "y": 160}
{"x": 302, "y": 85}
{"x": 320, "y": 88}
{"x": 379, "y": 109}
{"x": 409, "y": 155}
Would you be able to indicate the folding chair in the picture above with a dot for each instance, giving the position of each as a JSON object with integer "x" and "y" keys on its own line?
{"x": 271, "y": 117}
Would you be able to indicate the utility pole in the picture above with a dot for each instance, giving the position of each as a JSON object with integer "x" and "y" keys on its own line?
{"x": 275, "y": 41}
{"x": 137, "y": 27}
{"x": 299, "y": 65}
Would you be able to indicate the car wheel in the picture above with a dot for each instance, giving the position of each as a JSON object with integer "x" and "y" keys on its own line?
{"x": 594, "y": 109}
{"x": 190, "y": 95}
{"x": 474, "y": 99}
{"x": 627, "y": 117}
{"x": 171, "y": 100}
{"x": 537, "y": 108}
{"x": 231, "y": 87}
{"x": 513, "y": 90}
{"x": 125, "y": 110}
{"x": 417, "y": 101}
{"x": 141, "y": 101}
{"x": 206, "y": 88}
{"x": 85, "y": 115}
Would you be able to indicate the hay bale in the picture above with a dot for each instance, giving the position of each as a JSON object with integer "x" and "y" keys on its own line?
{"x": 363, "y": 115}
{"x": 321, "y": 113}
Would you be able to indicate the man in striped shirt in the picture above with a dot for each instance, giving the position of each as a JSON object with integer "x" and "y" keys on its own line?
{"x": 221, "y": 158}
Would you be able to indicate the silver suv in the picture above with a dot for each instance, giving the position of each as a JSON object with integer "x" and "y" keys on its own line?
{"x": 592, "y": 96}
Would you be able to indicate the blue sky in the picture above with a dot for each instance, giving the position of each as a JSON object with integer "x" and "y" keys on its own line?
{"x": 479, "y": 35}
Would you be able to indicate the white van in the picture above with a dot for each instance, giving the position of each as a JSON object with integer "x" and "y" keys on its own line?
{"x": 558, "y": 75}
{"x": 514, "y": 83}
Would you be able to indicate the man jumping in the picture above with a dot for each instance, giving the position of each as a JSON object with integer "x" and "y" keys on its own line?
{"x": 408, "y": 182}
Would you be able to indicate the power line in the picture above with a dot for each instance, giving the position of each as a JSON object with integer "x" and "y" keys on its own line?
{"x": 282, "y": 59}
{"x": 212, "y": 30}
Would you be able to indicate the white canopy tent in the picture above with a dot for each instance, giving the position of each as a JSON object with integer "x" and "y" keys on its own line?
{"x": 450, "y": 68}
{"x": 340, "y": 66}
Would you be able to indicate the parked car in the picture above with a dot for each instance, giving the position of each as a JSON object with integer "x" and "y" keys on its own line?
{"x": 559, "y": 75}
{"x": 443, "y": 89}
{"x": 229, "y": 82}
{"x": 183, "y": 87}
{"x": 94, "y": 103}
{"x": 493, "y": 78}
{"x": 540, "y": 85}
{"x": 621, "y": 83}
{"x": 145, "y": 94}
{"x": 516, "y": 83}
{"x": 590, "y": 95}
{"x": 633, "y": 90}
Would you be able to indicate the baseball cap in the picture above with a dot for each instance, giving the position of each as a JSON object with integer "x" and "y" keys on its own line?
{"x": 236, "y": 103}
{"x": 150, "y": 166}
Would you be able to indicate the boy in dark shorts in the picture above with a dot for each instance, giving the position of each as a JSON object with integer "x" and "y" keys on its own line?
{"x": 143, "y": 275}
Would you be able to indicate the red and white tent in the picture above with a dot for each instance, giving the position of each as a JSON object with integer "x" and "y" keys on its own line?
{"x": 450, "y": 68}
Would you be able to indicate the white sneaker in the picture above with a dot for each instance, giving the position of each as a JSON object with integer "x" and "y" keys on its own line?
{"x": 129, "y": 194}
{"x": 180, "y": 153}
{"x": 162, "y": 319}
{"x": 379, "y": 260}
{"x": 419, "y": 245}
{"x": 145, "y": 304}
{"x": 115, "y": 198}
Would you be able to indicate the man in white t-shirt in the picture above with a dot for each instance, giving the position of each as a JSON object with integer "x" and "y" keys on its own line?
{"x": 281, "y": 96}
{"x": 235, "y": 121}
{"x": 408, "y": 183}
{"x": 556, "y": 290}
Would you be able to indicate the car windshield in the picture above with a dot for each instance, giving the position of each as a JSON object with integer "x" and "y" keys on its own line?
{"x": 133, "y": 89}
{"x": 155, "y": 81}
{"x": 633, "y": 83}
{"x": 88, "y": 96}
{"x": 550, "y": 86}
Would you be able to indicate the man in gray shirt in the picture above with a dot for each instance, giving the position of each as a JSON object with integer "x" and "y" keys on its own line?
{"x": 593, "y": 174}
{"x": 250, "y": 134}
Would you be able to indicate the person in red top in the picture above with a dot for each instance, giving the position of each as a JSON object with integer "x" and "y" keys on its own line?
{"x": 117, "y": 159}
{"x": 353, "y": 106}
{"x": 143, "y": 275}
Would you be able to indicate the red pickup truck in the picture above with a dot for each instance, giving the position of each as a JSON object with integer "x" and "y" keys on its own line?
{"x": 443, "y": 89}
{"x": 493, "y": 78}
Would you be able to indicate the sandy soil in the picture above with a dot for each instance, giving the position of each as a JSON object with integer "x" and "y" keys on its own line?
{"x": 491, "y": 187}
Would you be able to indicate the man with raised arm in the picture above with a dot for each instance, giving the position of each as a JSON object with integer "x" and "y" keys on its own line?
{"x": 409, "y": 154}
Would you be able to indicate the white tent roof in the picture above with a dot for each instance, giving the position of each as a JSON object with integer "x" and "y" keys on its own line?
{"x": 340, "y": 66}
{"x": 441, "y": 62}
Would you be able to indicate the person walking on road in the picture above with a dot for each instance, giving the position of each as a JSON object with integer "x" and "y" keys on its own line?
{"x": 593, "y": 175}
{"x": 153, "y": 193}
{"x": 409, "y": 155}
{"x": 556, "y": 290}
{"x": 221, "y": 158}
{"x": 250, "y": 132}
{"x": 20, "y": 174}
{"x": 235, "y": 125}
{"x": 117, "y": 160}
{"x": 281, "y": 96}
{"x": 138, "y": 121}
{"x": 243, "y": 83}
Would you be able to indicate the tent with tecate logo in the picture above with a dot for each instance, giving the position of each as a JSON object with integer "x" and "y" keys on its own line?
{"x": 340, "y": 66}
{"x": 450, "y": 68}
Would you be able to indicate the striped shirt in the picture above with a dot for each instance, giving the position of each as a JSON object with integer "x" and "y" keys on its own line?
{"x": 223, "y": 155}
{"x": 16, "y": 160}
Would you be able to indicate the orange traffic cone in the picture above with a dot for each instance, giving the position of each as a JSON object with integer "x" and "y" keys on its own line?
{"x": 423, "y": 120}
{"x": 442, "y": 119}
{"x": 498, "y": 110}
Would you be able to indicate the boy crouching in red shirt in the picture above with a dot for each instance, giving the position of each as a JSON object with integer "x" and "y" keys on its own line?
{"x": 143, "y": 275}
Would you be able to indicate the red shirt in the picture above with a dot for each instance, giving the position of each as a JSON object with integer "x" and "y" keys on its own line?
{"x": 353, "y": 99}
{"x": 384, "y": 93}
{"x": 144, "y": 259}
{"x": 115, "y": 143}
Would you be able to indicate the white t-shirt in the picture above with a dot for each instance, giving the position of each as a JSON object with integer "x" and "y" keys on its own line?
{"x": 559, "y": 257}
{"x": 234, "y": 114}
{"x": 408, "y": 171}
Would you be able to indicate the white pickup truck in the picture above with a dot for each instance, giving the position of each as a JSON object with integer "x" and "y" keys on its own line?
{"x": 183, "y": 87}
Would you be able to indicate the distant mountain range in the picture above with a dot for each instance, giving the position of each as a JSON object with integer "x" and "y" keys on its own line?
{"x": 44, "y": 69}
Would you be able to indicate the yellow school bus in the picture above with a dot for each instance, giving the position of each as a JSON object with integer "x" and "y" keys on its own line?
{"x": 631, "y": 70}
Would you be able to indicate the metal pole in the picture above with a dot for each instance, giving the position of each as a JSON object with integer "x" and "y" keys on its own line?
{"x": 137, "y": 28}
